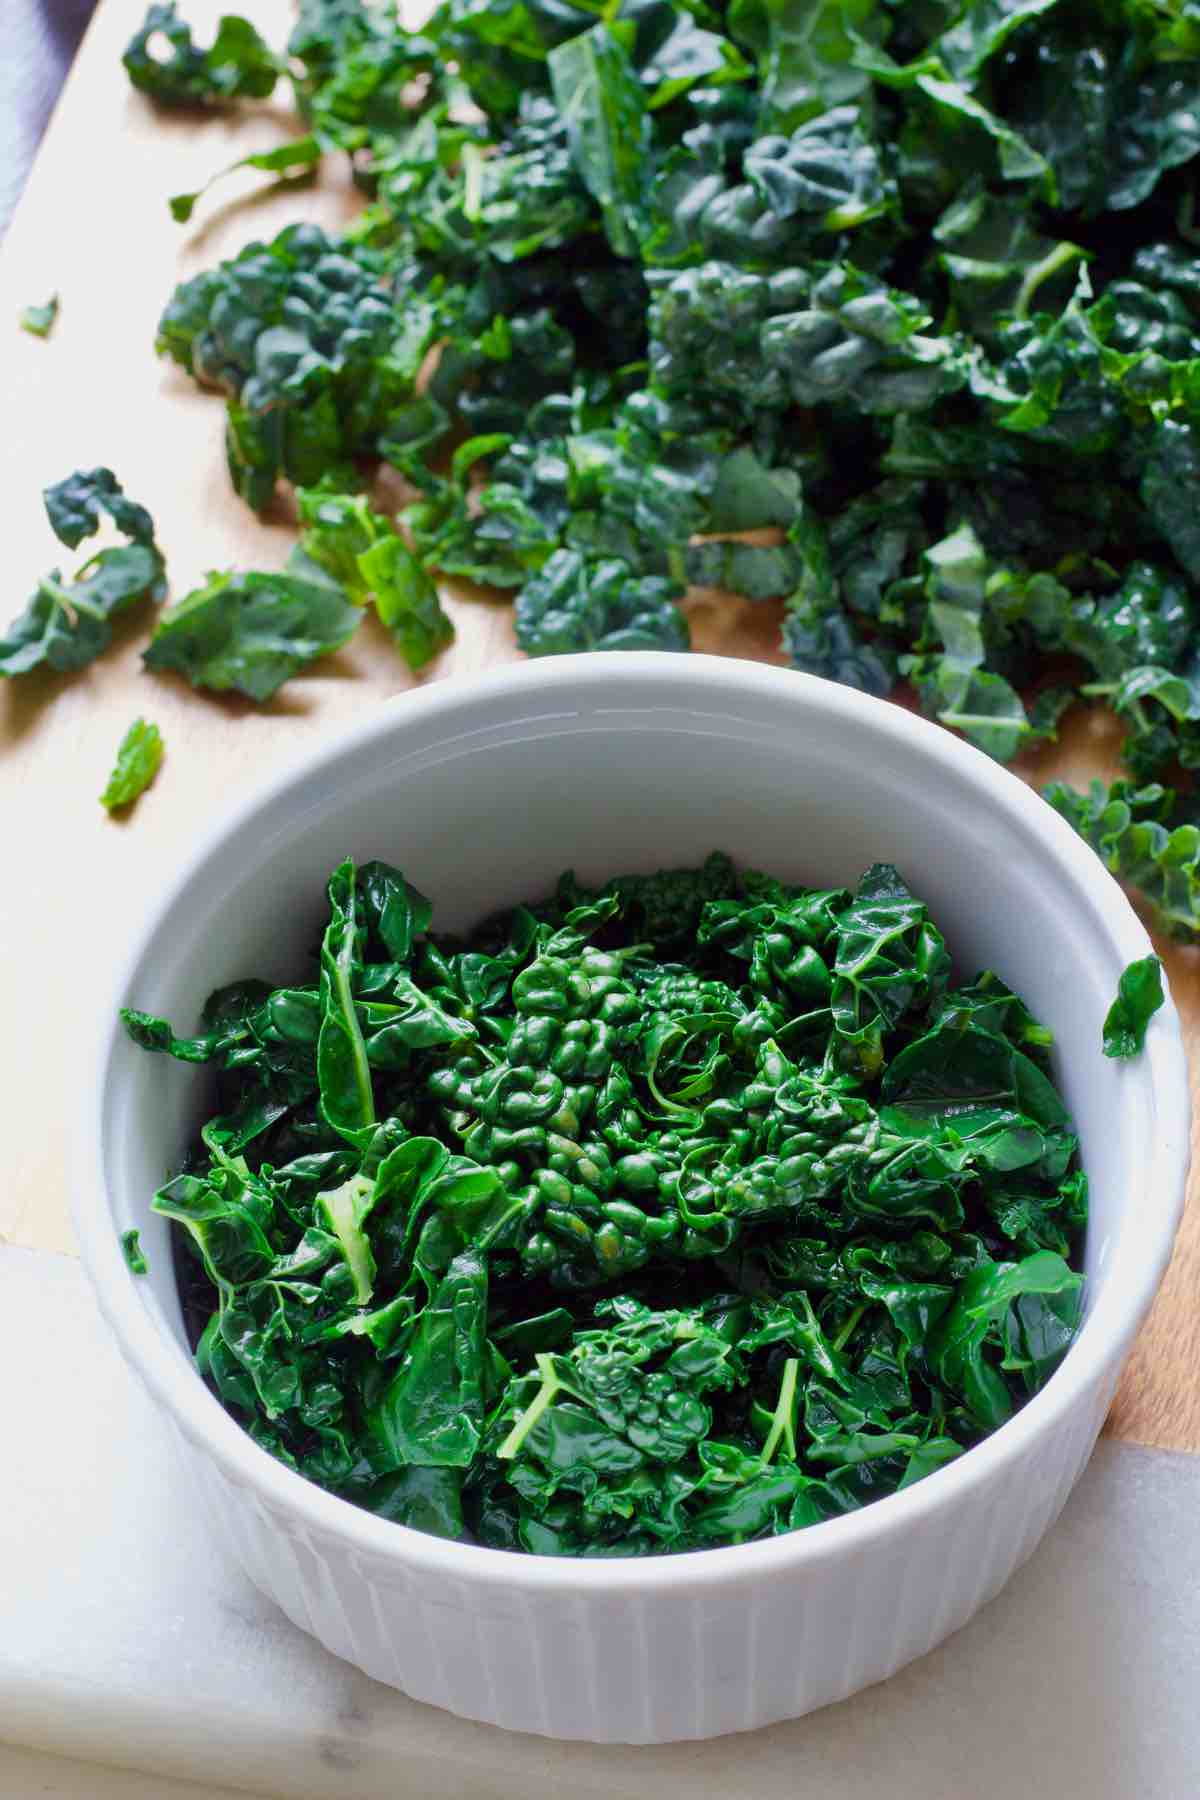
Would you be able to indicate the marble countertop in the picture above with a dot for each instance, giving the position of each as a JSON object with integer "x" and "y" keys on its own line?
{"x": 130, "y": 1638}
{"x": 26, "y": 1773}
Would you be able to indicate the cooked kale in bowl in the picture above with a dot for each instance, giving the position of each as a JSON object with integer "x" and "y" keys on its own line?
{"x": 687, "y": 1210}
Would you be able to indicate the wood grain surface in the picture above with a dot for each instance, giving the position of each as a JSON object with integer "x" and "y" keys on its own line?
{"x": 94, "y": 226}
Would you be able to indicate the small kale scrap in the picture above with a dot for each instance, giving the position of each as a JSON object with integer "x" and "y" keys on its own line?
{"x": 138, "y": 759}
{"x": 67, "y": 624}
{"x": 682, "y": 1212}
{"x": 362, "y": 550}
{"x": 237, "y": 65}
{"x": 39, "y": 321}
{"x": 131, "y": 1250}
{"x": 1139, "y": 996}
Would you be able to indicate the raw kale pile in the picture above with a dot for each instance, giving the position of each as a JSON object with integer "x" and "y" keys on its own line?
{"x": 909, "y": 293}
{"x": 677, "y": 1214}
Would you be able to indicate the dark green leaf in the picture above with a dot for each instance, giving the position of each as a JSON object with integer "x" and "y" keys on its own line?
{"x": 576, "y": 604}
{"x": 1134, "y": 832}
{"x": 986, "y": 25}
{"x": 1139, "y": 996}
{"x": 431, "y": 1412}
{"x": 132, "y": 1250}
{"x": 430, "y": 1227}
{"x": 392, "y": 910}
{"x": 237, "y": 65}
{"x": 958, "y": 1343}
{"x": 250, "y": 632}
{"x": 890, "y": 957}
{"x": 425, "y": 1499}
{"x": 808, "y": 66}
{"x": 1172, "y": 471}
{"x": 600, "y": 98}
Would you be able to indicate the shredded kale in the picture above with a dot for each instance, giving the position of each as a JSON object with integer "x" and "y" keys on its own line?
{"x": 887, "y": 316}
{"x": 684, "y": 1212}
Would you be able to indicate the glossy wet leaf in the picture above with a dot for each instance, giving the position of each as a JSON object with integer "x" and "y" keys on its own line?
{"x": 1139, "y": 996}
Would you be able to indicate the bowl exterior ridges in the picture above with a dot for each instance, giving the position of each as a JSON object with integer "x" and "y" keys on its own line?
{"x": 661, "y": 1666}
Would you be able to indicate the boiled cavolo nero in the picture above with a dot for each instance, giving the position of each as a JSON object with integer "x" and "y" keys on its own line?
{"x": 684, "y": 1212}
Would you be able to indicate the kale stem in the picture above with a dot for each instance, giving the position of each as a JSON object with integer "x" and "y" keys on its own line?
{"x": 782, "y": 1423}
{"x": 362, "y": 1070}
{"x": 847, "y": 1332}
{"x": 71, "y": 604}
{"x": 342, "y": 1210}
{"x": 535, "y": 1409}
{"x": 1058, "y": 258}
{"x": 471, "y": 163}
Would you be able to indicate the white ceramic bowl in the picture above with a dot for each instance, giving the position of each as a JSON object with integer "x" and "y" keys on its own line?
{"x": 483, "y": 791}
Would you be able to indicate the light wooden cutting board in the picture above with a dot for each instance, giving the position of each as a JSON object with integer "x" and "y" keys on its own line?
{"x": 94, "y": 226}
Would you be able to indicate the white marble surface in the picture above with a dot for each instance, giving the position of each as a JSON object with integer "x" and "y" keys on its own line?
{"x": 32, "y": 1775}
{"x": 127, "y": 1636}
